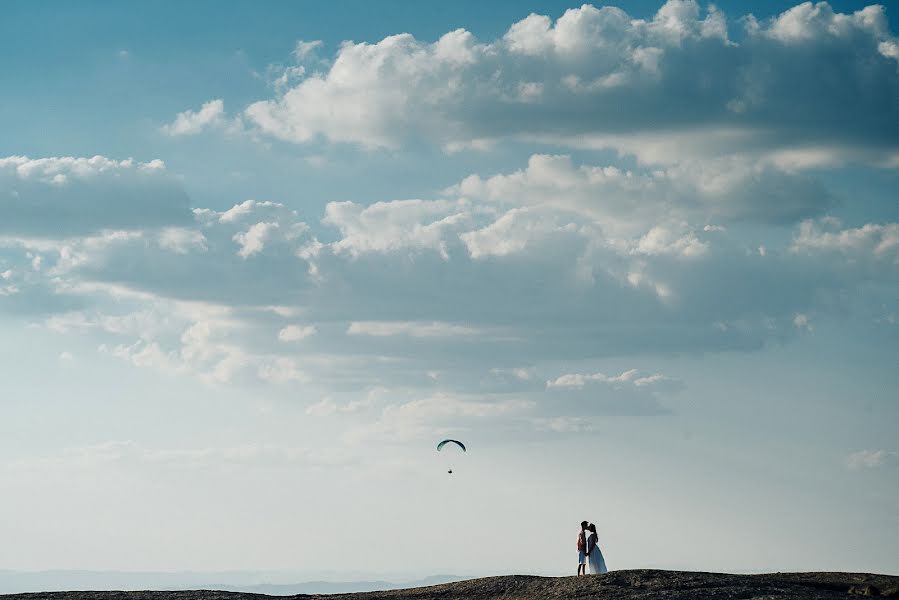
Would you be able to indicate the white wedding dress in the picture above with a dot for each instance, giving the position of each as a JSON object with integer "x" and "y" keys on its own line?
{"x": 596, "y": 564}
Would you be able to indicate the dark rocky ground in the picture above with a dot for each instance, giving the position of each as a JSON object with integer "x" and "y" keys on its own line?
{"x": 618, "y": 585}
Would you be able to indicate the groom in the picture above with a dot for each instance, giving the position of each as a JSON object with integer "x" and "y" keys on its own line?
{"x": 582, "y": 549}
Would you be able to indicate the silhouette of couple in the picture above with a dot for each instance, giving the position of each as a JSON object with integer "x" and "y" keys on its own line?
{"x": 589, "y": 557}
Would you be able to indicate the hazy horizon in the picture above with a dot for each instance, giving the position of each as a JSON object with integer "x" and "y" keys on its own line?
{"x": 257, "y": 260}
{"x": 276, "y": 582}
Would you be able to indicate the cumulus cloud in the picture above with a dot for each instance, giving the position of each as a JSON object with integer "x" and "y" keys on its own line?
{"x": 510, "y": 410}
{"x": 867, "y": 253}
{"x": 662, "y": 240}
{"x": 513, "y": 232}
{"x": 628, "y": 202}
{"x": 453, "y": 312}
{"x": 459, "y": 298}
{"x": 59, "y": 170}
{"x": 252, "y": 241}
{"x": 189, "y": 122}
{"x": 662, "y": 88}
{"x": 222, "y": 256}
{"x": 580, "y": 395}
{"x": 629, "y": 377}
{"x": 387, "y": 226}
{"x": 64, "y": 196}
{"x": 871, "y": 242}
{"x": 454, "y": 267}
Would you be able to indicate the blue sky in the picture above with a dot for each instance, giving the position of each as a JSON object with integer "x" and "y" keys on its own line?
{"x": 255, "y": 263}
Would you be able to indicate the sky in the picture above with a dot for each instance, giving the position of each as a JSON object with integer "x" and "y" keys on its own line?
{"x": 257, "y": 260}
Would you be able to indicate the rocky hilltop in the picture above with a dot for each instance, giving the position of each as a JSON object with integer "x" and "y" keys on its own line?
{"x": 618, "y": 585}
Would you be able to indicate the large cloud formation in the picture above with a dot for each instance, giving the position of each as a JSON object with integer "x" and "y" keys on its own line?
{"x": 810, "y": 86}
{"x": 555, "y": 261}
{"x": 464, "y": 304}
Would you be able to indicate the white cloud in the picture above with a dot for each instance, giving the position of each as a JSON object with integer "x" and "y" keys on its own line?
{"x": 628, "y": 203}
{"x": 433, "y": 329}
{"x": 181, "y": 240}
{"x": 809, "y": 22}
{"x": 304, "y": 50}
{"x": 527, "y": 270}
{"x": 281, "y": 370}
{"x": 65, "y": 196}
{"x": 872, "y": 241}
{"x": 385, "y": 227}
{"x": 662, "y": 240}
{"x": 245, "y": 209}
{"x": 664, "y": 88}
{"x": 294, "y": 333}
{"x": 190, "y": 122}
{"x": 513, "y": 232}
{"x": 60, "y": 170}
{"x": 517, "y": 406}
{"x": 252, "y": 241}
{"x": 552, "y": 260}
{"x": 629, "y": 377}
{"x": 149, "y": 354}
{"x": 872, "y": 459}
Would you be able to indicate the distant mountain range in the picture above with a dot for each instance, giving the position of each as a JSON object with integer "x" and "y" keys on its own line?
{"x": 273, "y": 583}
{"x": 332, "y": 587}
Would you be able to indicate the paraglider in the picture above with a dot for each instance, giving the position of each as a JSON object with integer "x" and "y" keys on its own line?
{"x": 452, "y": 442}
{"x": 445, "y": 442}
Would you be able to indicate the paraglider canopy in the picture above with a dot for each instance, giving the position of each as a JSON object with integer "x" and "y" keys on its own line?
{"x": 451, "y": 442}
{"x": 445, "y": 442}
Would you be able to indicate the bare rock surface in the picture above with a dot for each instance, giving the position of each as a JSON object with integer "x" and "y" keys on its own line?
{"x": 618, "y": 585}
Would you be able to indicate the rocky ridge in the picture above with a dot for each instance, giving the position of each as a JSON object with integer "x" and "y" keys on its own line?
{"x": 619, "y": 585}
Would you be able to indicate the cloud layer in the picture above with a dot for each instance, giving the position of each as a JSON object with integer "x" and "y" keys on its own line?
{"x": 810, "y": 86}
{"x": 59, "y": 196}
{"x": 465, "y": 302}
{"x": 459, "y": 304}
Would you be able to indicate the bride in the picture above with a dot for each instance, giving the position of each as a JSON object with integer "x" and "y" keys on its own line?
{"x": 596, "y": 564}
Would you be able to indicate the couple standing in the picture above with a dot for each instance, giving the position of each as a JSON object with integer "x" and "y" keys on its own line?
{"x": 589, "y": 557}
